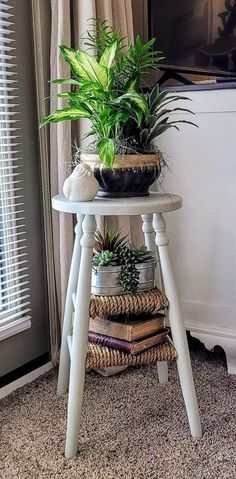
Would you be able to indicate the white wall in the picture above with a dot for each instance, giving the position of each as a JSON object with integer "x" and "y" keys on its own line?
{"x": 203, "y": 233}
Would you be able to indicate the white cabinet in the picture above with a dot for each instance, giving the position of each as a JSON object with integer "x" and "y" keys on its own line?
{"x": 203, "y": 234}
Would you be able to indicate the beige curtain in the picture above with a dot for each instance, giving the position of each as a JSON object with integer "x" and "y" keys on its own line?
{"x": 68, "y": 22}
{"x": 41, "y": 21}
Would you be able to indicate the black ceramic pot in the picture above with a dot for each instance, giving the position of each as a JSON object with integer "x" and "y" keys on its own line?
{"x": 132, "y": 175}
{"x": 123, "y": 183}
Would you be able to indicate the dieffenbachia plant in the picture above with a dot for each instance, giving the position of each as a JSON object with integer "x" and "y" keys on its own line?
{"x": 105, "y": 88}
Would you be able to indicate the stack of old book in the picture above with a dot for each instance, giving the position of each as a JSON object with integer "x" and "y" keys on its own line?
{"x": 129, "y": 333}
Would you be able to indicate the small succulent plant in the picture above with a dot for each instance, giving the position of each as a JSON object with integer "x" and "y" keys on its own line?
{"x": 103, "y": 258}
{"x": 132, "y": 254}
{"x": 129, "y": 276}
{"x": 112, "y": 248}
{"x": 110, "y": 241}
{"x": 127, "y": 257}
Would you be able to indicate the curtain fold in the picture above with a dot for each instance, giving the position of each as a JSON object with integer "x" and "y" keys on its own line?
{"x": 60, "y": 146}
{"x": 118, "y": 13}
{"x": 41, "y": 20}
{"x": 68, "y": 23}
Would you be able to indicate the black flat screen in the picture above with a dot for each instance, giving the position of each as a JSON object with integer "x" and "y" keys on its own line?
{"x": 197, "y": 34}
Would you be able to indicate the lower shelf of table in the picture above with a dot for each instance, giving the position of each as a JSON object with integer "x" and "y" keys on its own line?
{"x": 103, "y": 357}
{"x": 151, "y": 301}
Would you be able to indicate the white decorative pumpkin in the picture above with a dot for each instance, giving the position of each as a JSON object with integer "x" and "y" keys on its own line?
{"x": 81, "y": 185}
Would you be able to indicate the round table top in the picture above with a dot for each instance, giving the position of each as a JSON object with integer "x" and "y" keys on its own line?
{"x": 155, "y": 203}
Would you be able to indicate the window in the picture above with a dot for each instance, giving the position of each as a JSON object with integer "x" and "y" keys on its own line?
{"x": 14, "y": 277}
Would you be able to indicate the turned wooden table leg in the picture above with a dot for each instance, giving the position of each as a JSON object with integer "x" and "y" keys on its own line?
{"x": 177, "y": 328}
{"x": 64, "y": 368}
{"x": 80, "y": 337}
{"x": 149, "y": 237}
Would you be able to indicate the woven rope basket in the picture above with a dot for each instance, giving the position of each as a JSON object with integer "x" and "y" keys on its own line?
{"x": 145, "y": 301}
{"x": 103, "y": 357}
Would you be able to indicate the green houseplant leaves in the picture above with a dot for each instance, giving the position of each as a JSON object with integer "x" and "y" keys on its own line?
{"x": 105, "y": 88}
{"x": 66, "y": 114}
{"x": 106, "y": 148}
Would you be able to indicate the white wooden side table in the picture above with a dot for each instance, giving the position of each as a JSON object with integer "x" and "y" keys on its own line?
{"x": 72, "y": 360}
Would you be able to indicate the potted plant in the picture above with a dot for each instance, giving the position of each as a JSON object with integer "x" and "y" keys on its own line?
{"x": 120, "y": 267}
{"x": 125, "y": 122}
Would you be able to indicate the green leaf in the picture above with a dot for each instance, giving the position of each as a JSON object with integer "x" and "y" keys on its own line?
{"x": 79, "y": 101}
{"x": 106, "y": 148}
{"x": 183, "y": 121}
{"x": 172, "y": 99}
{"x": 89, "y": 86}
{"x": 154, "y": 93}
{"x": 70, "y": 56}
{"x": 65, "y": 114}
{"x": 90, "y": 133}
{"x": 90, "y": 69}
{"x": 156, "y": 101}
{"x": 144, "y": 136}
{"x": 93, "y": 90}
{"x": 151, "y": 120}
{"x": 124, "y": 116}
{"x": 132, "y": 85}
{"x": 109, "y": 54}
{"x": 140, "y": 57}
{"x": 165, "y": 112}
{"x": 112, "y": 117}
{"x": 115, "y": 119}
{"x": 134, "y": 99}
{"x": 139, "y": 114}
{"x": 150, "y": 43}
{"x": 159, "y": 129}
{"x": 60, "y": 81}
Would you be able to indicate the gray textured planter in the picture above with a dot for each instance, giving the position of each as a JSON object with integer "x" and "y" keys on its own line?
{"x": 105, "y": 279}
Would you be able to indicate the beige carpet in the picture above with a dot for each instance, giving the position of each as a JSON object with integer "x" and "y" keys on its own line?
{"x": 133, "y": 428}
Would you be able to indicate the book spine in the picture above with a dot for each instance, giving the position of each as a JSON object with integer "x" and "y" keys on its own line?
{"x": 112, "y": 343}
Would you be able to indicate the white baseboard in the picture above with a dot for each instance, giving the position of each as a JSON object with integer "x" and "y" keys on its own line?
{"x": 215, "y": 335}
{"x": 28, "y": 378}
{"x": 228, "y": 344}
{"x": 214, "y": 325}
{"x": 209, "y": 329}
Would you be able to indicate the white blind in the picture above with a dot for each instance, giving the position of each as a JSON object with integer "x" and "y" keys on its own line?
{"x": 14, "y": 278}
